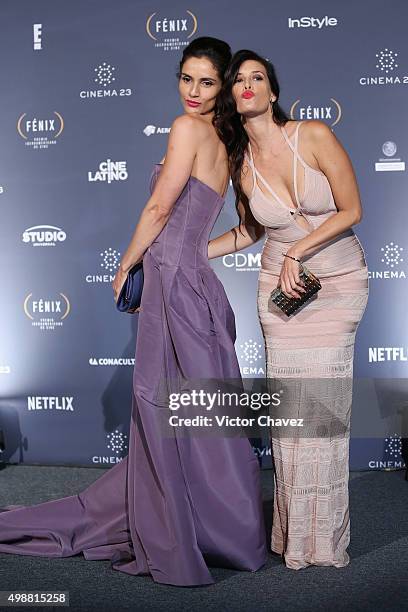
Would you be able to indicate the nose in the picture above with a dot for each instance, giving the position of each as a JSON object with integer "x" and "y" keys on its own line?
{"x": 194, "y": 90}
{"x": 247, "y": 84}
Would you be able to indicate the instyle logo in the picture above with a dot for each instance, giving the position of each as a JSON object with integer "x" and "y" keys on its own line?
{"x": 64, "y": 403}
{"x": 5, "y": 369}
{"x": 104, "y": 76}
{"x": 312, "y": 22}
{"x": 40, "y": 132}
{"x": 37, "y": 34}
{"x": 47, "y": 314}
{"x": 171, "y": 33}
{"x": 389, "y": 163}
{"x": 116, "y": 442}
{"x": 330, "y": 113}
{"x": 243, "y": 262}
{"x": 386, "y": 64}
{"x": 109, "y": 171}
{"x": 387, "y": 353}
{"x": 149, "y": 130}
{"x": 43, "y": 235}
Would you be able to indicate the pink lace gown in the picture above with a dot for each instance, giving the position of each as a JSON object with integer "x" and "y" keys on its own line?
{"x": 310, "y": 357}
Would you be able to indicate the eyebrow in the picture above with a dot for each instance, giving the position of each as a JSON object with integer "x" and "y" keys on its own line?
{"x": 252, "y": 72}
{"x": 201, "y": 79}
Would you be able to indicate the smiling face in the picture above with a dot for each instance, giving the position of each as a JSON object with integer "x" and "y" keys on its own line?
{"x": 199, "y": 85}
{"x": 251, "y": 89}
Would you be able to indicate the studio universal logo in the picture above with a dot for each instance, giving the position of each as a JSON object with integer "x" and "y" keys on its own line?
{"x": 251, "y": 354}
{"x": 43, "y": 235}
{"x": 389, "y": 163}
{"x": 105, "y": 76}
{"x": 387, "y": 73}
{"x": 47, "y": 314}
{"x": 329, "y": 113}
{"x": 171, "y": 33}
{"x": 116, "y": 443}
{"x": 242, "y": 262}
{"x": 40, "y": 132}
{"x": 110, "y": 262}
{"x": 150, "y": 130}
{"x": 109, "y": 171}
{"x": 391, "y": 257}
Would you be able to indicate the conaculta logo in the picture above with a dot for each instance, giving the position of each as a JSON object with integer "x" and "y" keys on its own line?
{"x": 112, "y": 361}
{"x": 312, "y": 22}
{"x": 43, "y": 235}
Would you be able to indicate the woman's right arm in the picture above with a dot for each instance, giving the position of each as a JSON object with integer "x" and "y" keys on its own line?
{"x": 234, "y": 240}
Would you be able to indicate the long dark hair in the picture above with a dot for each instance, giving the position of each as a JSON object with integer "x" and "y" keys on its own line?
{"x": 228, "y": 122}
{"x": 214, "y": 49}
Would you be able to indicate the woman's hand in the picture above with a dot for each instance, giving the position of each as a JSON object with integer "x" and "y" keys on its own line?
{"x": 118, "y": 282}
{"x": 289, "y": 279}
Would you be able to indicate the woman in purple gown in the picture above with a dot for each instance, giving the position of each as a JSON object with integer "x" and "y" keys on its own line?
{"x": 175, "y": 503}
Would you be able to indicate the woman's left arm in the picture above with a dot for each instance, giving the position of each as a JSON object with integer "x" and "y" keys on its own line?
{"x": 180, "y": 155}
{"x": 334, "y": 162}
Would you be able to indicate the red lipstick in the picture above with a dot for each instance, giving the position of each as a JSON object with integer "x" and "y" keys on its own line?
{"x": 248, "y": 94}
{"x": 192, "y": 103}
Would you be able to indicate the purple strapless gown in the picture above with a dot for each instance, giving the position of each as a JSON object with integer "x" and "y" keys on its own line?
{"x": 173, "y": 503}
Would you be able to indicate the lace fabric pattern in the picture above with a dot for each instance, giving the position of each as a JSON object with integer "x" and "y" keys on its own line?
{"x": 310, "y": 356}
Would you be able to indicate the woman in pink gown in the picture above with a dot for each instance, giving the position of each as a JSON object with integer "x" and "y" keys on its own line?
{"x": 294, "y": 181}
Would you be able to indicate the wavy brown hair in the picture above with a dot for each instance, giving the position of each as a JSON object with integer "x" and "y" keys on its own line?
{"x": 228, "y": 122}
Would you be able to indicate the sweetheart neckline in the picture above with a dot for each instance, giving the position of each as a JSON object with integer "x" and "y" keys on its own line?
{"x": 202, "y": 183}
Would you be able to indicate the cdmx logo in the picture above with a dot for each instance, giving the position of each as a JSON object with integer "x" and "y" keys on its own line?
{"x": 330, "y": 113}
{"x": 34, "y": 126}
{"x": 158, "y": 28}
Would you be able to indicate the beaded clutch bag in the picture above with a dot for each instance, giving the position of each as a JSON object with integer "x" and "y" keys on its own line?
{"x": 290, "y": 305}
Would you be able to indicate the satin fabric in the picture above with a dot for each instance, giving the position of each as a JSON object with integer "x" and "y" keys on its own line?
{"x": 175, "y": 503}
